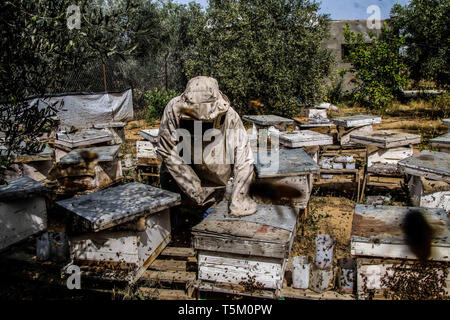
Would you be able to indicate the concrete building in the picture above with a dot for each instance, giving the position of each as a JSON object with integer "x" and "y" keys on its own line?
{"x": 336, "y": 43}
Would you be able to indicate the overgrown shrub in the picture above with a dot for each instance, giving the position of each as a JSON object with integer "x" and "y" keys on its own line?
{"x": 335, "y": 92}
{"x": 377, "y": 66}
{"x": 156, "y": 100}
{"x": 442, "y": 103}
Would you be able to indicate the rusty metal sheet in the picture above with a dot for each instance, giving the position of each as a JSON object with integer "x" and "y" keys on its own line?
{"x": 283, "y": 163}
{"x": 267, "y": 120}
{"x": 385, "y": 138}
{"x": 107, "y": 208}
{"x": 21, "y": 188}
{"x": 431, "y": 164}
{"x": 105, "y": 154}
{"x": 357, "y": 121}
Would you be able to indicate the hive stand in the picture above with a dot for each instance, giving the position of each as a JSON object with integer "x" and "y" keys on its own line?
{"x": 385, "y": 150}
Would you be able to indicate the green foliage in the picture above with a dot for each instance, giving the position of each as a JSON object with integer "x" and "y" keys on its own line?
{"x": 156, "y": 100}
{"x": 425, "y": 26}
{"x": 265, "y": 50}
{"x": 39, "y": 50}
{"x": 335, "y": 93}
{"x": 442, "y": 103}
{"x": 377, "y": 66}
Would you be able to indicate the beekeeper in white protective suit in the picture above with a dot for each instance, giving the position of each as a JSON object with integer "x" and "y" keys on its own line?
{"x": 214, "y": 143}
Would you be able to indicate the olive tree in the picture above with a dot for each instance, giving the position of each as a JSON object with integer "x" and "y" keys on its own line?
{"x": 268, "y": 51}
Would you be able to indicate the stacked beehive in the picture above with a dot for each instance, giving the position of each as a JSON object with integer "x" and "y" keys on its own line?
{"x": 386, "y": 265}
{"x": 120, "y": 230}
{"x": 385, "y": 150}
{"x": 428, "y": 179}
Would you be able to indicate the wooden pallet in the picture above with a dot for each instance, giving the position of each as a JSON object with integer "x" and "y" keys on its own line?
{"x": 171, "y": 276}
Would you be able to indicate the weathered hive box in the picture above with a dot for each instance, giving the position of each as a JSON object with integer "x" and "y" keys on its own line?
{"x": 386, "y": 139}
{"x": 359, "y": 124}
{"x": 446, "y": 122}
{"x": 356, "y": 121}
{"x": 75, "y": 174}
{"x": 34, "y": 166}
{"x": 23, "y": 210}
{"x": 377, "y": 232}
{"x": 304, "y": 138}
{"x": 400, "y": 279}
{"x": 66, "y": 142}
{"x": 429, "y": 193}
{"x": 116, "y": 129}
{"x": 442, "y": 143}
{"x": 385, "y": 161}
{"x": 268, "y": 120}
{"x": 428, "y": 164}
{"x": 292, "y": 167}
{"x": 150, "y": 135}
{"x": 126, "y": 225}
{"x": 251, "y": 251}
{"x": 313, "y": 113}
{"x": 146, "y": 153}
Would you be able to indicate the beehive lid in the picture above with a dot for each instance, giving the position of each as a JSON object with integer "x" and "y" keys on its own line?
{"x": 44, "y": 155}
{"x": 105, "y": 154}
{"x": 21, "y": 188}
{"x": 429, "y": 164}
{"x": 385, "y": 139}
{"x": 444, "y": 139}
{"x": 381, "y": 228}
{"x": 267, "y": 120}
{"x": 304, "y": 138}
{"x": 83, "y": 138}
{"x": 281, "y": 217}
{"x": 110, "y": 207}
{"x": 109, "y": 125}
{"x": 283, "y": 163}
{"x": 357, "y": 121}
{"x": 150, "y": 134}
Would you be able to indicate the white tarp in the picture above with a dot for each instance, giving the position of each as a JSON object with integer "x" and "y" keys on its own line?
{"x": 82, "y": 110}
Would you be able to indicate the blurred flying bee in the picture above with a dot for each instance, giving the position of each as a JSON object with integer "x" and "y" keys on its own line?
{"x": 88, "y": 156}
{"x": 256, "y": 104}
{"x": 418, "y": 234}
{"x": 274, "y": 192}
{"x": 190, "y": 113}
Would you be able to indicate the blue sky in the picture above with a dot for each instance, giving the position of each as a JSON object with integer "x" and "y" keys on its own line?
{"x": 343, "y": 9}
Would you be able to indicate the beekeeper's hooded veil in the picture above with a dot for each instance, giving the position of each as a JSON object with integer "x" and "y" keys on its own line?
{"x": 229, "y": 151}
